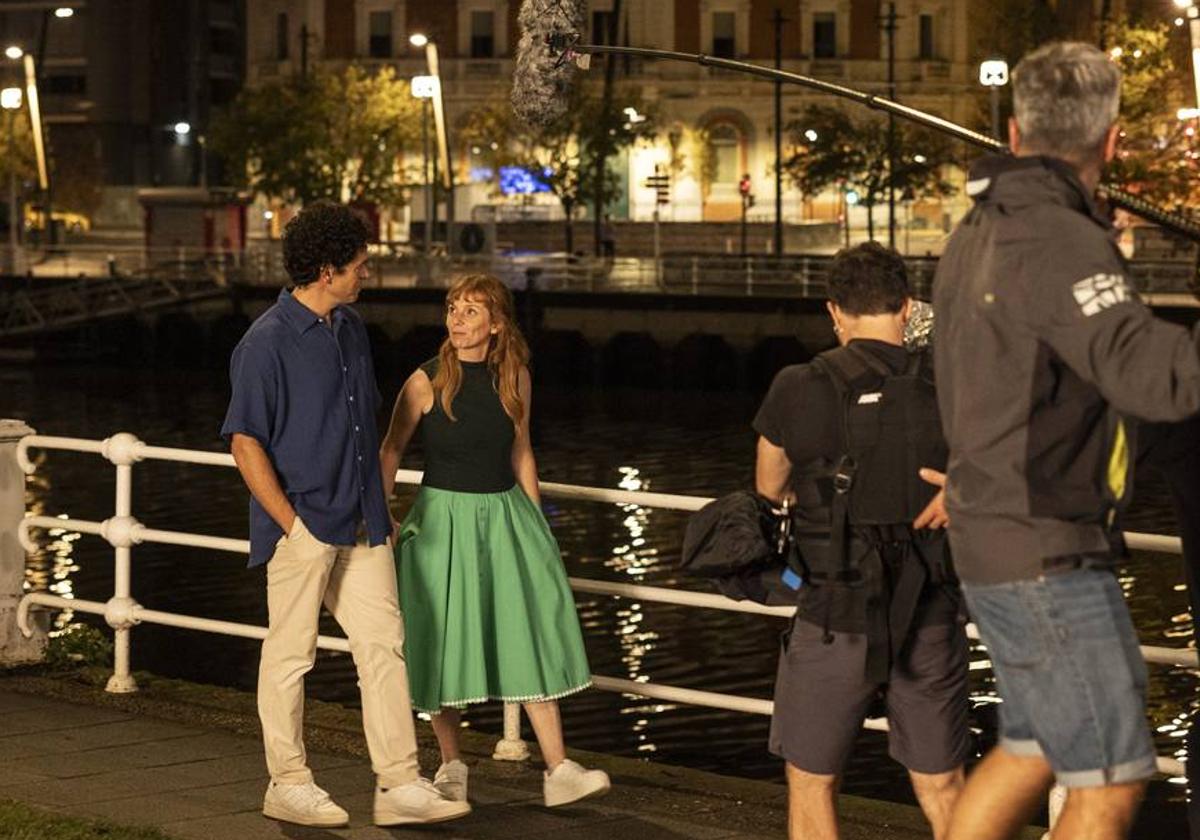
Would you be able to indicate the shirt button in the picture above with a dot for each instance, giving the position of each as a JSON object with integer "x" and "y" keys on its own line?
{"x": 351, "y": 398}
{"x": 356, "y": 428}
{"x": 344, "y": 368}
{"x": 360, "y": 457}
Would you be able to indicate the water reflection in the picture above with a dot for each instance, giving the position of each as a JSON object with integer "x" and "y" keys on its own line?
{"x": 50, "y": 568}
{"x": 687, "y": 443}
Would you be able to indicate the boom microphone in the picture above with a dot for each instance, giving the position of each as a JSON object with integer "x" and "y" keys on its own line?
{"x": 545, "y": 71}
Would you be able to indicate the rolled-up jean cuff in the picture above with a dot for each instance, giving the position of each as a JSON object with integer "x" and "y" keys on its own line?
{"x": 1021, "y": 749}
{"x": 1119, "y": 774}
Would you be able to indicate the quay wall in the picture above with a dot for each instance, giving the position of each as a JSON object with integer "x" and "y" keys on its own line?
{"x": 578, "y": 339}
{"x": 582, "y": 339}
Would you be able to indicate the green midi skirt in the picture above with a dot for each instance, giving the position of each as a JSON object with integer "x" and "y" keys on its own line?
{"x": 488, "y": 612}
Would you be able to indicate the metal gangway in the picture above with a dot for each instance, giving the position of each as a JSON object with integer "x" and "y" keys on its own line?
{"x": 123, "y": 531}
{"x": 110, "y": 284}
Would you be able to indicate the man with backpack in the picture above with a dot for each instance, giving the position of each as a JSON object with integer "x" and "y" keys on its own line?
{"x": 842, "y": 440}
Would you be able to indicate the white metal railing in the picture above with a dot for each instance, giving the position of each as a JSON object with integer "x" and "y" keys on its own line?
{"x": 121, "y": 612}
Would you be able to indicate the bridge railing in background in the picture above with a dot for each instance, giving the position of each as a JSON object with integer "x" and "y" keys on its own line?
{"x": 395, "y": 265}
{"x": 123, "y": 531}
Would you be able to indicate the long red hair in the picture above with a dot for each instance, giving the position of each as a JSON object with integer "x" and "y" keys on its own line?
{"x": 507, "y": 351}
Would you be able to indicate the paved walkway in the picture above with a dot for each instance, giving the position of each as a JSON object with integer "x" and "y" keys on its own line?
{"x": 197, "y": 771}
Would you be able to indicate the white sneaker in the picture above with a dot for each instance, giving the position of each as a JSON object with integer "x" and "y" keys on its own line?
{"x": 570, "y": 782}
{"x": 415, "y": 802}
{"x": 451, "y": 781}
{"x": 304, "y": 804}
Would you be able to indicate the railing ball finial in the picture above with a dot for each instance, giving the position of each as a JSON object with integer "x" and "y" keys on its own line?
{"x": 122, "y": 531}
{"x": 123, "y": 449}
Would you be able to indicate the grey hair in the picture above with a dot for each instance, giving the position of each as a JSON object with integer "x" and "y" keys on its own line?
{"x": 1066, "y": 96}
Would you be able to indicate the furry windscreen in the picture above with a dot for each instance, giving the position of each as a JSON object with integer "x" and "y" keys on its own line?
{"x": 543, "y": 77}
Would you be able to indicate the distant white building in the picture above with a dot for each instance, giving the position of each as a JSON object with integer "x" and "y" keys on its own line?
{"x": 842, "y": 41}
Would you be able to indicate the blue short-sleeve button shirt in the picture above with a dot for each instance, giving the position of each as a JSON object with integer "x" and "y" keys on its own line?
{"x": 305, "y": 389}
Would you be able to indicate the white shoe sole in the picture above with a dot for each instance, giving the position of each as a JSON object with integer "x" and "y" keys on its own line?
{"x": 591, "y": 794}
{"x": 284, "y": 815}
{"x": 385, "y": 818}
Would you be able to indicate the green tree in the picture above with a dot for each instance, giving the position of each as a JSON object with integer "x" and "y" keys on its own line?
{"x": 16, "y": 140}
{"x": 1157, "y": 156}
{"x": 832, "y": 148}
{"x": 565, "y": 154}
{"x": 341, "y": 136}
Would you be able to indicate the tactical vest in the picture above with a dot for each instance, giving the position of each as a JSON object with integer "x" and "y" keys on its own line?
{"x": 890, "y": 428}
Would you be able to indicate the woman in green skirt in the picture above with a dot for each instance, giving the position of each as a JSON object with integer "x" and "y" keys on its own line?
{"x": 487, "y": 609}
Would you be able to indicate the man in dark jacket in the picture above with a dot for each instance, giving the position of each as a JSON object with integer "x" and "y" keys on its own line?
{"x": 878, "y": 617}
{"x": 1043, "y": 350}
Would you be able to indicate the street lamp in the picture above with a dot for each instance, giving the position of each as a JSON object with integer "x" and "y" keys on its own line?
{"x": 993, "y": 75}
{"x": 425, "y": 88}
{"x": 15, "y": 53}
{"x": 421, "y": 40}
{"x": 1192, "y": 11}
{"x": 10, "y": 100}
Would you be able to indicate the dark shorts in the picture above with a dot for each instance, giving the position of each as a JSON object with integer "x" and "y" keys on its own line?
{"x": 1070, "y": 674}
{"x": 822, "y": 697}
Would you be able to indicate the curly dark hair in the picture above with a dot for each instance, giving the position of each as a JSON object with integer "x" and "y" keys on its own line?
{"x": 868, "y": 279}
{"x": 323, "y": 233}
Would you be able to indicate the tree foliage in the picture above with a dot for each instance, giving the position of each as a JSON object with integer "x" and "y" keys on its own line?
{"x": 1157, "y": 156}
{"x": 830, "y": 147}
{"x": 16, "y": 141}
{"x": 563, "y": 155}
{"x": 341, "y": 136}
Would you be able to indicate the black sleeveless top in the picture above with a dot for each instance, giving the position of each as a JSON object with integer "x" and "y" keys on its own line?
{"x": 473, "y": 453}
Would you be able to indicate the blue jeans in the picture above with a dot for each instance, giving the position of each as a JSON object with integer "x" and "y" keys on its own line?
{"x": 1070, "y": 674}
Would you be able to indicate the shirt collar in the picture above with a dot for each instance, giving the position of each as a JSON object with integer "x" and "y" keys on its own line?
{"x": 300, "y": 316}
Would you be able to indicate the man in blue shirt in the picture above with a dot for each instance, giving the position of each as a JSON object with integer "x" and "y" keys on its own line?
{"x": 301, "y": 426}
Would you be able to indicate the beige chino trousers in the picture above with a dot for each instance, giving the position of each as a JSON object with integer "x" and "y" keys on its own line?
{"x": 357, "y": 584}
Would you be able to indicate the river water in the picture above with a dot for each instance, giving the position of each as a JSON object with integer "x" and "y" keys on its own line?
{"x": 669, "y": 441}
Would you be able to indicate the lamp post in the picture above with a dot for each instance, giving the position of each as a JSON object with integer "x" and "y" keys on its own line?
{"x": 10, "y": 100}
{"x": 993, "y": 75}
{"x": 425, "y": 88}
{"x": 15, "y": 53}
{"x": 421, "y": 40}
{"x": 1192, "y": 11}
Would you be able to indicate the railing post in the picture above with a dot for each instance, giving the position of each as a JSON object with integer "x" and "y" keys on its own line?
{"x": 15, "y": 649}
{"x": 511, "y": 747}
{"x": 122, "y": 450}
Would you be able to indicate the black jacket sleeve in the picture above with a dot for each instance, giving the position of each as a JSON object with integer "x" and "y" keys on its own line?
{"x": 1084, "y": 307}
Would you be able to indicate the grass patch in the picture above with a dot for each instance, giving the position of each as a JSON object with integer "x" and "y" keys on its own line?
{"x": 20, "y": 822}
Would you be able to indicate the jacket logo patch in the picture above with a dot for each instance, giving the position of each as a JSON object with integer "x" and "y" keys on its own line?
{"x": 870, "y": 399}
{"x": 1101, "y": 291}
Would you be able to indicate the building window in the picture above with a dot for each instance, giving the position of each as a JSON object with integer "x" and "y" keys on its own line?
{"x": 379, "y": 40}
{"x": 483, "y": 34}
{"x": 66, "y": 85}
{"x": 824, "y": 35}
{"x": 281, "y": 36}
{"x": 223, "y": 40}
{"x": 600, "y": 24}
{"x": 723, "y": 140}
{"x": 925, "y": 47}
{"x": 724, "y": 38}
